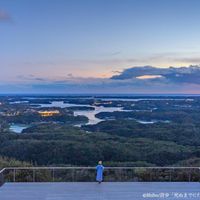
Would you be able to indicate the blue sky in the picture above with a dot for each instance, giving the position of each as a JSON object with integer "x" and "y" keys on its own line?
{"x": 56, "y": 44}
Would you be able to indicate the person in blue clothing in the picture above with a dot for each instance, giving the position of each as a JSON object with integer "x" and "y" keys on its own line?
{"x": 99, "y": 168}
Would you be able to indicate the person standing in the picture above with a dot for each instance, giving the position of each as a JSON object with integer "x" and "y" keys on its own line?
{"x": 100, "y": 169}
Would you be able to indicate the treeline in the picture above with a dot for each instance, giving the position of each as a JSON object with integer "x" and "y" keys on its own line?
{"x": 10, "y": 162}
{"x": 178, "y": 116}
{"x": 180, "y": 133}
{"x": 62, "y": 145}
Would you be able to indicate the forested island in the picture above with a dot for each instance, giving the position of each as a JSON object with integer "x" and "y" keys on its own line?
{"x": 80, "y": 130}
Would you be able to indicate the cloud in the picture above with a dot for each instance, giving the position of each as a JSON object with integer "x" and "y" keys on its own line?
{"x": 30, "y": 77}
{"x": 171, "y": 80}
{"x": 189, "y": 59}
{"x": 105, "y": 86}
{"x": 115, "y": 53}
{"x": 189, "y": 74}
{"x": 4, "y": 16}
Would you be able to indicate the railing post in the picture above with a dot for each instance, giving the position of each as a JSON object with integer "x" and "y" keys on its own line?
{"x": 132, "y": 174}
{"x": 33, "y": 175}
{"x": 53, "y": 174}
{"x": 14, "y": 175}
{"x": 1, "y": 179}
{"x": 150, "y": 175}
{"x": 171, "y": 172}
{"x": 189, "y": 176}
{"x": 199, "y": 173}
{"x": 73, "y": 175}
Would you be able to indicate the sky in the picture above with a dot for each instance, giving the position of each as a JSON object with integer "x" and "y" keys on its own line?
{"x": 76, "y": 46}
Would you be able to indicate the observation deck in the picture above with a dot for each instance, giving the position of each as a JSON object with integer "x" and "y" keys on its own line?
{"x": 72, "y": 183}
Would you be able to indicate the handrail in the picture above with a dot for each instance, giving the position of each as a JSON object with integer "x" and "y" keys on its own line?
{"x": 26, "y": 168}
{"x": 20, "y": 168}
{"x": 11, "y": 174}
{"x": 2, "y": 176}
{"x": 2, "y": 170}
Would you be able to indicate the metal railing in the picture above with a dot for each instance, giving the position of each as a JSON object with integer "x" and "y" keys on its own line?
{"x": 87, "y": 174}
{"x": 2, "y": 177}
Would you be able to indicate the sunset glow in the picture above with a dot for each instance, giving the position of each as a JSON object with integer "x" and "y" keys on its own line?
{"x": 149, "y": 77}
{"x": 79, "y": 46}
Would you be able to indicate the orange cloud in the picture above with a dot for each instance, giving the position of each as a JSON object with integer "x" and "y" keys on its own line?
{"x": 149, "y": 76}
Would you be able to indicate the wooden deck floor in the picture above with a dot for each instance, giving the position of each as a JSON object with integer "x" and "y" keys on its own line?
{"x": 104, "y": 191}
